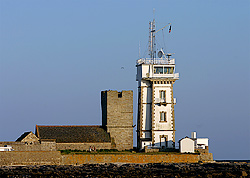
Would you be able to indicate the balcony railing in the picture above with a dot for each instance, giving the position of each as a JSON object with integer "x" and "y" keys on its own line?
{"x": 152, "y": 75}
{"x": 163, "y": 100}
{"x": 155, "y": 61}
{"x": 160, "y": 100}
{"x": 176, "y": 75}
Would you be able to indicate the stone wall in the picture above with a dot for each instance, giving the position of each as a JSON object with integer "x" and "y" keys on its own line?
{"x": 31, "y": 146}
{"x": 117, "y": 117}
{"x": 55, "y": 158}
{"x": 128, "y": 158}
{"x": 122, "y": 137}
{"x": 30, "y": 138}
{"x": 200, "y": 150}
{"x": 30, "y": 158}
{"x": 206, "y": 157}
{"x": 53, "y": 146}
{"x": 147, "y": 150}
{"x": 48, "y": 146}
{"x": 82, "y": 146}
{"x": 22, "y": 146}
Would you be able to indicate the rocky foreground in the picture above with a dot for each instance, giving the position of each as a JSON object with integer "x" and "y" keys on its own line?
{"x": 131, "y": 170}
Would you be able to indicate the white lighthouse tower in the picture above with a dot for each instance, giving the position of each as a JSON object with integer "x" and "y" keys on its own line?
{"x": 156, "y": 77}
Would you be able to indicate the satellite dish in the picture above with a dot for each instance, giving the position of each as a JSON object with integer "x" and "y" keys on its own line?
{"x": 160, "y": 54}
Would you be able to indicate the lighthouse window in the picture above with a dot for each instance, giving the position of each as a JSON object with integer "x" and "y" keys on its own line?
{"x": 162, "y": 94}
{"x": 158, "y": 70}
{"x": 163, "y": 116}
{"x": 171, "y": 70}
{"x": 168, "y": 70}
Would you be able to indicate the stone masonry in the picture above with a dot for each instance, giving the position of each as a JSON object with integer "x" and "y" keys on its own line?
{"x": 9, "y": 158}
{"x": 117, "y": 117}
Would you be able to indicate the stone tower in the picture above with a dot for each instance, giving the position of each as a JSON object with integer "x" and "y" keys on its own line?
{"x": 117, "y": 117}
{"x": 156, "y": 76}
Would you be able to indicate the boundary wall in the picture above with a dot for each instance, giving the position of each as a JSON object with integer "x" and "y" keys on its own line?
{"x": 33, "y": 146}
{"x": 55, "y": 158}
{"x": 11, "y": 158}
{"x": 129, "y": 158}
{"x": 53, "y": 146}
{"x": 83, "y": 146}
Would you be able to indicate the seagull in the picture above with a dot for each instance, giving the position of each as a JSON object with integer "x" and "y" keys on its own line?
{"x": 122, "y": 67}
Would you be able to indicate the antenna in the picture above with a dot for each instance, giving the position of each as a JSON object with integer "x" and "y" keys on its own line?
{"x": 139, "y": 49}
{"x": 151, "y": 46}
{"x": 151, "y": 41}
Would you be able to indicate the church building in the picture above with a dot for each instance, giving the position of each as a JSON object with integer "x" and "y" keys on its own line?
{"x": 116, "y": 131}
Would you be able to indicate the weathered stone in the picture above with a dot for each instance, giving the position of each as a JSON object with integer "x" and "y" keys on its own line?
{"x": 117, "y": 117}
{"x": 130, "y": 170}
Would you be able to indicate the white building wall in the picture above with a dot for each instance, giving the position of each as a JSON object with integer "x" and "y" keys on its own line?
{"x": 201, "y": 143}
{"x": 159, "y": 87}
{"x": 147, "y": 95}
{"x": 162, "y": 129}
{"x": 163, "y": 134}
{"x": 146, "y": 122}
{"x": 187, "y": 145}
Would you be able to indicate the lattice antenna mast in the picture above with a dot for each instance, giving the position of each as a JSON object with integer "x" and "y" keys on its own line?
{"x": 151, "y": 46}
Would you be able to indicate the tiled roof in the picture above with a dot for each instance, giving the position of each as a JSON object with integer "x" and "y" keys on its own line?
{"x": 22, "y": 136}
{"x": 73, "y": 134}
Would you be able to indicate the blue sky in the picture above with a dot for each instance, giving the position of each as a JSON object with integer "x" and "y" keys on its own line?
{"x": 57, "y": 56}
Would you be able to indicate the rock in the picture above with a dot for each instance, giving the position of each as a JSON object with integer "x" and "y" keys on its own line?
{"x": 130, "y": 170}
{"x": 244, "y": 174}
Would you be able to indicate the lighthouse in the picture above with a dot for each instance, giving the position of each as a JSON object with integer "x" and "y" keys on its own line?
{"x": 156, "y": 76}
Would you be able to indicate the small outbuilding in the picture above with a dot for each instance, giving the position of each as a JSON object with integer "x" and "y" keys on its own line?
{"x": 200, "y": 143}
{"x": 187, "y": 145}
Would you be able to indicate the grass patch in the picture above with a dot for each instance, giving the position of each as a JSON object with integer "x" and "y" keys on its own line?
{"x": 114, "y": 151}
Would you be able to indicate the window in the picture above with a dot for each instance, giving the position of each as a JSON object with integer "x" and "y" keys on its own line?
{"x": 165, "y": 70}
{"x": 163, "y": 116}
{"x": 158, "y": 70}
{"x": 171, "y": 70}
{"x": 162, "y": 94}
{"x": 168, "y": 70}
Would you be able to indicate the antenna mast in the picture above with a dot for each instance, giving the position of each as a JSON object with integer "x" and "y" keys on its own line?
{"x": 151, "y": 41}
{"x": 151, "y": 46}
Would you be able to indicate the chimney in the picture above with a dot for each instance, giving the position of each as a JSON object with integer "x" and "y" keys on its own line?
{"x": 193, "y": 135}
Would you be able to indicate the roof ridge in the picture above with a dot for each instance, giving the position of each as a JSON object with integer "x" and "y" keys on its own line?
{"x": 25, "y": 134}
{"x": 69, "y": 125}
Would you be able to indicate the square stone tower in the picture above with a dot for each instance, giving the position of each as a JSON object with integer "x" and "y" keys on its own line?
{"x": 117, "y": 117}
